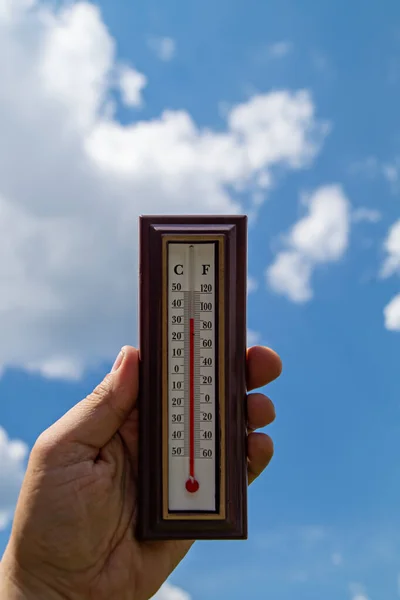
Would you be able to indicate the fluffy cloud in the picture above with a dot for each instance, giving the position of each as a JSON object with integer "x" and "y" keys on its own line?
{"x": 73, "y": 181}
{"x": 10, "y": 9}
{"x": 131, "y": 83}
{"x": 319, "y": 237}
{"x": 12, "y": 468}
{"x": 391, "y": 314}
{"x": 392, "y": 249}
{"x": 171, "y": 592}
{"x": 390, "y": 267}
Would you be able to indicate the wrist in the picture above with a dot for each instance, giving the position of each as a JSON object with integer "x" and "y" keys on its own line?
{"x": 16, "y": 585}
{"x": 10, "y": 590}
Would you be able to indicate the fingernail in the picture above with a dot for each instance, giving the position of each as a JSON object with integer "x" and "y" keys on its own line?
{"x": 118, "y": 361}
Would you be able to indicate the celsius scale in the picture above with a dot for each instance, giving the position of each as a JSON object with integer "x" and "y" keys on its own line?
{"x": 192, "y": 481}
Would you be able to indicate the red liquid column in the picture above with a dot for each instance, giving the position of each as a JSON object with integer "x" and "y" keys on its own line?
{"x": 192, "y": 485}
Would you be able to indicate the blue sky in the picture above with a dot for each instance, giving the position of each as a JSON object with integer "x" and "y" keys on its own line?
{"x": 286, "y": 111}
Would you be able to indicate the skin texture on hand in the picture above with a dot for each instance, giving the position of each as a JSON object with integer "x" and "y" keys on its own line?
{"x": 73, "y": 536}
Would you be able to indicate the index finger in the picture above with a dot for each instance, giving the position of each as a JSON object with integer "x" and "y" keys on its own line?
{"x": 263, "y": 365}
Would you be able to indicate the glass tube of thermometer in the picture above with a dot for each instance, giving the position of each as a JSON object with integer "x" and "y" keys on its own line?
{"x": 192, "y": 458}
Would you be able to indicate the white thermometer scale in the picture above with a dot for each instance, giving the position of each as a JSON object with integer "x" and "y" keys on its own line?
{"x": 192, "y": 338}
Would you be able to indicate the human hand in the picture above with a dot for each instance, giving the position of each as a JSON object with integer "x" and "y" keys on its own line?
{"x": 73, "y": 536}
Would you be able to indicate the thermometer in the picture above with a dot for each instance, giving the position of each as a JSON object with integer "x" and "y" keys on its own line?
{"x": 192, "y": 423}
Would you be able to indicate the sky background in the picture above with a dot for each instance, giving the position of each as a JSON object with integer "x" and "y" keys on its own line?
{"x": 285, "y": 111}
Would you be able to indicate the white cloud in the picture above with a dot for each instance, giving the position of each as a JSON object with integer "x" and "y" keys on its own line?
{"x": 163, "y": 47}
{"x": 171, "y": 592}
{"x": 273, "y": 128}
{"x": 280, "y": 49}
{"x": 317, "y": 238}
{"x": 290, "y": 275}
{"x": 391, "y": 314}
{"x": 391, "y": 266}
{"x": 392, "y": 249}
{"x": 12, "y": 468}
{"x": 74, "y": 60}
{"x": 322, "y": 235}
{"x": 73, "y": 181}
{"x": 10, "y": 10}
{"x": 131, "y": 84}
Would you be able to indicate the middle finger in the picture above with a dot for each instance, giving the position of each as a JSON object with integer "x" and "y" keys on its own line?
{"x": 260, "y": 411}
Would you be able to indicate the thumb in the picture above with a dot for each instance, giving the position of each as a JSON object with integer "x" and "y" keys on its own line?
{"x": 96, "y": 419}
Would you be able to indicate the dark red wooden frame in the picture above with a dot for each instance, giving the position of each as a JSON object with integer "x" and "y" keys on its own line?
{"x": 150, "y": 522}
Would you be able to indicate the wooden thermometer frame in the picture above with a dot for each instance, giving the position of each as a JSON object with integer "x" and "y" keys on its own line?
{"x": 230, "y": 520}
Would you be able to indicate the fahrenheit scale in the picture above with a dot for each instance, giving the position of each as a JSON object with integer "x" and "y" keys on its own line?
{"x": 192, "y": 420}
